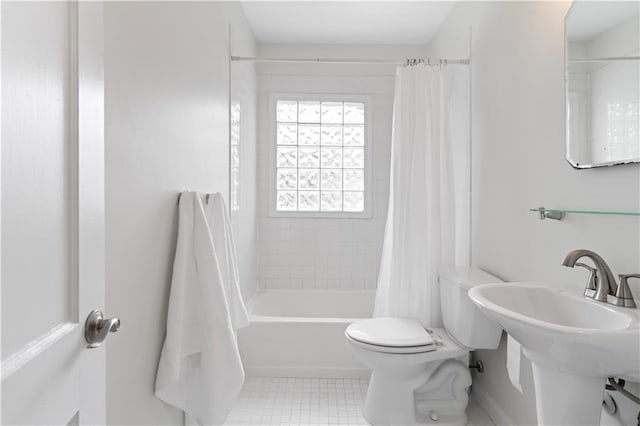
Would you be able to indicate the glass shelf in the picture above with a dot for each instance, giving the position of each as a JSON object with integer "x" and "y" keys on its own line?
{"x": 558, "y": 214}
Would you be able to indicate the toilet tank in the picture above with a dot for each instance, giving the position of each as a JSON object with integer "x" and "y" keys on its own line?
{"x": 461, "y": 317}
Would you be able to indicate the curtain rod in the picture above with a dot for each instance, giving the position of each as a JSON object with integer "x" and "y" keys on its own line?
{"x": 342, "y": 61}
{"x": 604, "y": 59}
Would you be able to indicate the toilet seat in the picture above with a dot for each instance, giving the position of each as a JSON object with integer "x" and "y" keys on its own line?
{"x": 393, "y": 349}
{"x": 391, "y": 335}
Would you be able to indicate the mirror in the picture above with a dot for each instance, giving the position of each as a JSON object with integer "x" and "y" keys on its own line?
{"x": 602, "y": 83}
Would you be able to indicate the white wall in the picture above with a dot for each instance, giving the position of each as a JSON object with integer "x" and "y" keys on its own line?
{"x": 518, "y": 163}
{"x": 167, "y": 90}
{"x": 313, "y": 253}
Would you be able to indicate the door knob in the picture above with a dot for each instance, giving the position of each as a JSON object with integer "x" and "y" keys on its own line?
{"x": 96, "y": 328}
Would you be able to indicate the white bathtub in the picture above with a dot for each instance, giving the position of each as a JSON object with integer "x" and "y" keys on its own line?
{"x": 300, "y": 333}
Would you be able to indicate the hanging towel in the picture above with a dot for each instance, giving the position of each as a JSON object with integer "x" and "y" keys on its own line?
{"x": 200, "y": 370}
{"x": 218, "y": 218}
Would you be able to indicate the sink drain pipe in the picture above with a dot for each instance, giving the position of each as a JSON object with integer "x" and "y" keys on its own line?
{"x": 619, "y": 386}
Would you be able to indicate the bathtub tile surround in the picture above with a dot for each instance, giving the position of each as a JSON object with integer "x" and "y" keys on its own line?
{"x": 267, "y": 401}
{"x": 325, "y": 253}
{"x": 318, "y": 253}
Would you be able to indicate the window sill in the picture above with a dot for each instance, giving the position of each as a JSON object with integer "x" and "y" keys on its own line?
{"x": 319, "y": 215}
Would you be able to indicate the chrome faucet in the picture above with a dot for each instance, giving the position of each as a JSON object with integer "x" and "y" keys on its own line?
{"x": 605, "y": 282}
{"x": 602, "y": 283}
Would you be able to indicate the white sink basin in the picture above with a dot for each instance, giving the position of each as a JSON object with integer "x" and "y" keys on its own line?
{"x": 561, "y": 325}
{"x": 574, "y": 343}
{"x": 552, "y": 308}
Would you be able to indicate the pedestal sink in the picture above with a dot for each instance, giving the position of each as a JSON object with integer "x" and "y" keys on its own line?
{"x": 573, "y": 343}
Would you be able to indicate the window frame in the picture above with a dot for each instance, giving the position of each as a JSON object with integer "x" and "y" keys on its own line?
{"x": 366, "y": 99}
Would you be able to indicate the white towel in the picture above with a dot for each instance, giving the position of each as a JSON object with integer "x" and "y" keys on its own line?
{"x": 200, "y": 370}
{"x": 220, "y": 224}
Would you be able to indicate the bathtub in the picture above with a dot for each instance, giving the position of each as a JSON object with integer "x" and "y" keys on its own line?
{"x": 300, "y": 333}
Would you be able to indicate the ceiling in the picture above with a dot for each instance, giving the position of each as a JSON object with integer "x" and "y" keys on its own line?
{"x": 345, "y": 22}
{"x": 587, "y": 19}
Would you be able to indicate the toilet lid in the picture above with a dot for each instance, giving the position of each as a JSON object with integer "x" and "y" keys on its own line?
{"x": 394, "y": 332}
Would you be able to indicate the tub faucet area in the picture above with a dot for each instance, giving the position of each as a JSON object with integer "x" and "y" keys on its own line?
{"x": 606, "y": 289}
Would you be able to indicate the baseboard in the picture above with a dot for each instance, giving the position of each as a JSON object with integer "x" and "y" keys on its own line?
{"x": 323, "y": 373}
{"x": 491, "y": 407}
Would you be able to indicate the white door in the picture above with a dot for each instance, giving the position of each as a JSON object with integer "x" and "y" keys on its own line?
{"x": 52, "y": 215}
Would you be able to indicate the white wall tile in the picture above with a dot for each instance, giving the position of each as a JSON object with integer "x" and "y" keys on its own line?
{"x": 325, "y": 253}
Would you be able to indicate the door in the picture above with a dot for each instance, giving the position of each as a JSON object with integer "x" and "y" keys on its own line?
{"x": 52, "y": 211}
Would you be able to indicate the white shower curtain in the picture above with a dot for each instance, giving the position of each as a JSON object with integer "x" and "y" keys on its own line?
{"x": 420, "y": 233}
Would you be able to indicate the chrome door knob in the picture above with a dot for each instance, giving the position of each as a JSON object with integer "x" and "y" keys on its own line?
{"x": 96, "y": 328}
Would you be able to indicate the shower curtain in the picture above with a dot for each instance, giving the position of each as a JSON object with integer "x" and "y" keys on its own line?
{"x": 420, "y": 233}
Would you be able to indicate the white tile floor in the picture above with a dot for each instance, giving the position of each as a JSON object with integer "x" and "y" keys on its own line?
{"x": 305, "y": 401}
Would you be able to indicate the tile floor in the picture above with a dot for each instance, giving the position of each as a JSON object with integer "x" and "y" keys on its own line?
{"x": 307, "y": 401}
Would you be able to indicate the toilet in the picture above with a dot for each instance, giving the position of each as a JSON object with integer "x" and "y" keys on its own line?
{"x": 418, "y": 375}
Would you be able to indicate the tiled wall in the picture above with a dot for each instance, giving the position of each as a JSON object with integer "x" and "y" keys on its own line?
{"x": 319, "y": 253}
{"x": 325, "y": 253}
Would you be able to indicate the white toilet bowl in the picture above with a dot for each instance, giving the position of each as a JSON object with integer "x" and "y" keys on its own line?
{"x": 418, "y": 375}
{"x": 397, "y": 371}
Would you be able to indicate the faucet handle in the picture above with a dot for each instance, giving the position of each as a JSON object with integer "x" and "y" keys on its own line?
{"x": 590, "y": 290}
{"x": 623, "y": 295}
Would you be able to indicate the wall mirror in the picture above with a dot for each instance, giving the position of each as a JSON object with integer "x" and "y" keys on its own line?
{"x": 602, "y": 83}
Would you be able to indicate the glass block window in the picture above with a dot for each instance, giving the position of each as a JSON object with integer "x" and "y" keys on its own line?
{"x": 234, "y": 166}
{"x": 320, "y": 156}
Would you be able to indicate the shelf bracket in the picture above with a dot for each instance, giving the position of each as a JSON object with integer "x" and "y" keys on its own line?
{"x": 548, "y": 214}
